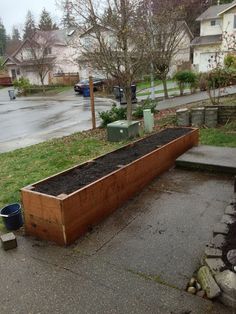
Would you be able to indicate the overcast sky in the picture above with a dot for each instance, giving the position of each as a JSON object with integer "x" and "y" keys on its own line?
{"x": 13, "y": 12}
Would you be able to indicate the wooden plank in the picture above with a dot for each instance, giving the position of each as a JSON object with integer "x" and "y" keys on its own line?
{"x": 41, "y": 206}
{"x": 44, "y": 229}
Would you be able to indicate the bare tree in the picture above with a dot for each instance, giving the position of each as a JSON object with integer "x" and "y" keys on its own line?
{"x": 113, "y": 40}
{"x": 164, "y": 33}
{"x": 40, "y": 57}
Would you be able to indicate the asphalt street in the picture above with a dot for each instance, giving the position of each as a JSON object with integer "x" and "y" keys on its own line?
{"x": 30, "y": 120}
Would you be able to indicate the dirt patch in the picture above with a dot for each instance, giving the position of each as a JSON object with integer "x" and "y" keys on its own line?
{"x": 83, "y": 175}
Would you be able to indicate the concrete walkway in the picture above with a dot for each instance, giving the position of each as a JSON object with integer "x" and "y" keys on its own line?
{"x": 187, "y": 99}
{"x": 139, "y": 260}
{"x": 221, "y": 159}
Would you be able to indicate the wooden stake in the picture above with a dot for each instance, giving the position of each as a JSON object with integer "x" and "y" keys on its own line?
{"x": 92, "y": 102}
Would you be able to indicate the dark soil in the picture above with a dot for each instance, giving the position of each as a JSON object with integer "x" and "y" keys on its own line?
{"x": 230, "y": 243}
{"x": 83, "y": 175}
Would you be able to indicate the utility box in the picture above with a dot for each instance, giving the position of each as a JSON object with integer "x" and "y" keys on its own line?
{"x": 122, "y": 130}
{"x": 148, "y": 120}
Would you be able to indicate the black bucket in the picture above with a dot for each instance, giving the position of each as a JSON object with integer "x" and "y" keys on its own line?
{"x": 11, "y": 215}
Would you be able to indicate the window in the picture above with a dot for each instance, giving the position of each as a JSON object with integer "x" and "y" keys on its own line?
{"x": 234, "y": 21}
{"x": 48, "y": 51}
{"x": 213, "y": 23}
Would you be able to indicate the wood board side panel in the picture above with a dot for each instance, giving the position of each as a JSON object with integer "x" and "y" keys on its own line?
{"x": 41, "y": 206}
{"x": 43, "y": 229}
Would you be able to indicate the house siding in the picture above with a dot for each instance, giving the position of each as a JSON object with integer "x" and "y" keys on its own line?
{"x": 207, "y": 29}
{"x": 202, "y": 53}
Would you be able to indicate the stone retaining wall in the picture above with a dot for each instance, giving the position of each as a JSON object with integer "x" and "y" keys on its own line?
{"x": 225, "y": 113}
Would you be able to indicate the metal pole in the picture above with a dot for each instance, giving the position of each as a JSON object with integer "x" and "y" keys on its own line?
{"x": 150, "y": 15}
{"x": 92, "y": 102}
{"x": 152, "y": 83}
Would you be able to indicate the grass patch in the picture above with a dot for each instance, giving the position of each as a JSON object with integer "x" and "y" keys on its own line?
{"x": 27, "y": 165}
{"x": 222, "y": 136}
{"x": 147, "y": 84}
{"x": 159, "y": 91}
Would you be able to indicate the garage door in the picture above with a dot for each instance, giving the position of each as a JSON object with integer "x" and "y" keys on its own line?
{"x": 205, "y": 65}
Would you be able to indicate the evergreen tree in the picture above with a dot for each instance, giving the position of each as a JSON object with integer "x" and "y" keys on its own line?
{"x": 29, "y": 25}
{"x": 68, "y": 19}
{"x": 3, "y": 39}
{"x": 45, "y": 22}
{"x": 15, "y": 34}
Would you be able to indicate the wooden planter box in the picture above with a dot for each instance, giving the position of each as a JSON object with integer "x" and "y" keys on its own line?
{"x": 64, "y": 218}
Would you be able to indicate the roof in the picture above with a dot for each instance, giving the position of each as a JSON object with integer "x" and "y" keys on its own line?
{"x": 60, "y": 36}
{"x": 214, "y": 11}
{"x": 206, "y": 40}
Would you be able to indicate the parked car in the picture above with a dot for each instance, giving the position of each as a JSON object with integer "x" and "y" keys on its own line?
{"x": 97, "y": 82}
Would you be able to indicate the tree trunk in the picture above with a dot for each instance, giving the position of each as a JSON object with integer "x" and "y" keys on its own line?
{"x": 128, "y": 96}
{"x": 165, "y": 87}
{"x": 43, "y": 87}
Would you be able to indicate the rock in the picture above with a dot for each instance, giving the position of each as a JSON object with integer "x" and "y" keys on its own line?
{"x": 214, "y": 264}
{"x": 192, "y": 290}
{"x": 218, "y": 241}
{"x": 227, "y": 300}
{"x": 208, "y": 283}
{"x": 229, "y": 210}
{"x": 198, "y": 286}
{"x": 231, "y": 257}
{"x": 8, "y": 241}
{"x": 227, "y": 282}
{"x": 227, "y": 219}
{"x": 220, "y": 228}
{"x": 192, "y": 282}
{"x": 212, "y": 252}
{"x": 201, "y": 293}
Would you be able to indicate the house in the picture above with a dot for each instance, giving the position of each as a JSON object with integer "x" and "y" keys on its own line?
{"x": 181, "y": 58}
{"x": 217, "y": 24}
{"x": 47, "y": 55}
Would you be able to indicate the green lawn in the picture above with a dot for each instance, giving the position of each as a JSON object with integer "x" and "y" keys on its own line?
{"x": 223, "y": 136}
{"x": 147, "y": 84}
{"x": 158, "y": 91}
{"x": 28, "y": 165}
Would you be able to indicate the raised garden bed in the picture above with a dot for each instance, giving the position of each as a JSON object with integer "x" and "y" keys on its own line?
{"x": 63, "y": 207}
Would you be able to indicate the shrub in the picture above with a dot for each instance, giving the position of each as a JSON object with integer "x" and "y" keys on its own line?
{"x": 116, "y": 113}
{"x": 202, "y": 81}
{"x": 217, "y": 79}
{"x": 138, "y": 113}
{"x": 230, "y": 61}
{"x": 184, "y": 79}
{"x": 22, "y": 85}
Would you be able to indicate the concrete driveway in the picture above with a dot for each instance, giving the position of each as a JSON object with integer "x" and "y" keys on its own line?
{"x": 138, "y": 261}
{"x": 30, "y": 120}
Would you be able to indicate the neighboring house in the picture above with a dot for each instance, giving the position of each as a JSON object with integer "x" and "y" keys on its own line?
{"x": 217, "y": 23}
{"x": 48, "y": 51}
{"x": 181, "y": 58}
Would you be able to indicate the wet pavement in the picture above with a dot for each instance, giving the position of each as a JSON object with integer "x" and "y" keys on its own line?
{"x": 216, "y": 159}
{"x": 30, "y": 120}
{"x": 138, "y": 260}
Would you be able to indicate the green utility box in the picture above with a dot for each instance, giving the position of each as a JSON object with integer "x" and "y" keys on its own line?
{"x": 121, "y": 130}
